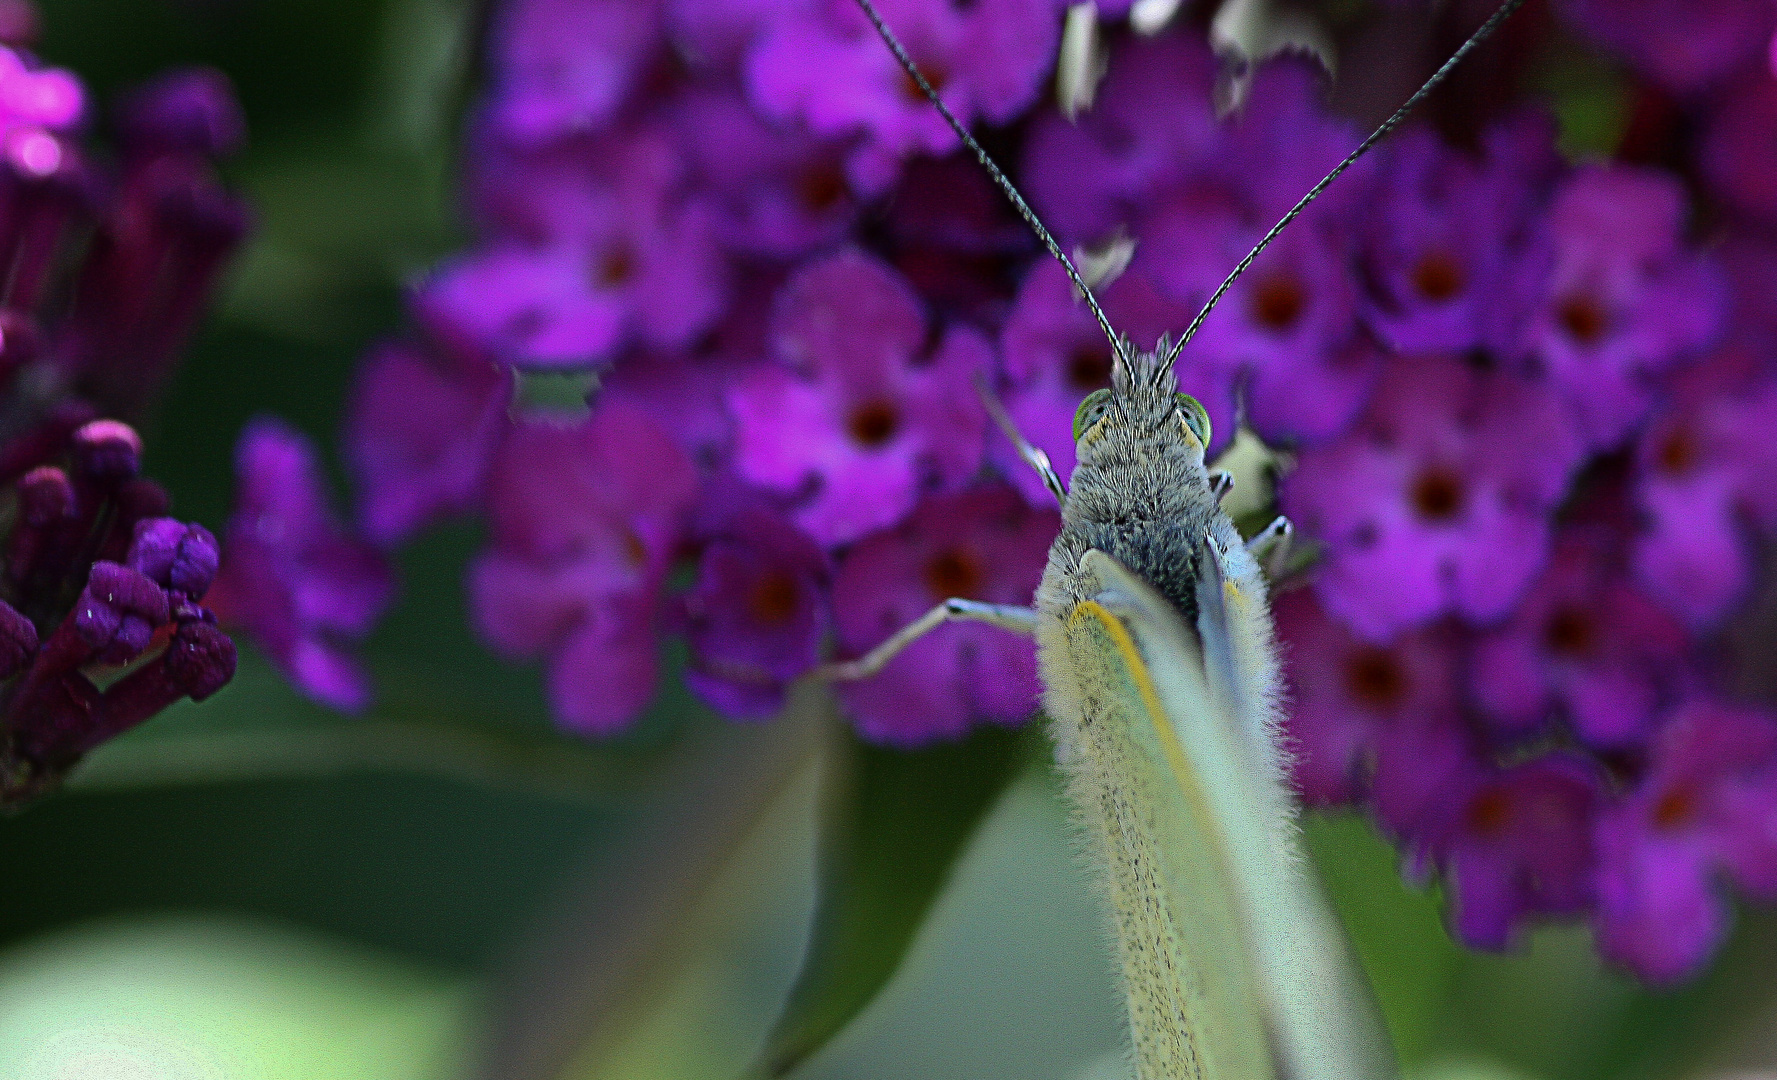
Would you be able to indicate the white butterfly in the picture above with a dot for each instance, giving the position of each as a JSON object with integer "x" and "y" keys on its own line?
{"x": 1160, "y": 680}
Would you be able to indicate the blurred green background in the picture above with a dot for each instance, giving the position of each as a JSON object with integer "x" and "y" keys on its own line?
{"x": 258, "y": 888}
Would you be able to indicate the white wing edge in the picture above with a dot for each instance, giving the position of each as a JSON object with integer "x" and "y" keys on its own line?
{"x": 1323, "y": 1018}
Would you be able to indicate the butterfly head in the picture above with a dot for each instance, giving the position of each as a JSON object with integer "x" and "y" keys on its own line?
{"x": 1142, "y": 403}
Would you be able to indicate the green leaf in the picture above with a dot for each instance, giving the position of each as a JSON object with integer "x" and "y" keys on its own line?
{"x": 895, "y": 822}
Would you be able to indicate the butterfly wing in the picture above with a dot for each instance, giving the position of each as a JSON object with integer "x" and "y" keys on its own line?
{"x": 1234, "y": 966}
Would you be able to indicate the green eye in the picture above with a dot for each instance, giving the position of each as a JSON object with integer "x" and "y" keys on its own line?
{"x": 1196, "y": 417}
{"x": 1089, "y": 412}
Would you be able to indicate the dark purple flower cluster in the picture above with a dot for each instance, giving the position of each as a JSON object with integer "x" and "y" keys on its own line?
{"x": 103, "y": 620}
{"x": 1524, "y": 400}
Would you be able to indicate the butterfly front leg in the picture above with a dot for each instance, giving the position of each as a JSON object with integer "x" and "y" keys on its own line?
{"x": 1272, "y": 547}
{"x": 1020, "y": 620}
{"x": 1031, "y": 455}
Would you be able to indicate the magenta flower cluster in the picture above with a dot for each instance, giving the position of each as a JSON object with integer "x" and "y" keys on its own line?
{"x": 1524, "y": 400}
{"x": 103, "y": 616}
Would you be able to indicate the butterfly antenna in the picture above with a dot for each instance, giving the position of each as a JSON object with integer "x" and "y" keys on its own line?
{"x": 1480, "y": 35}
{"x": 1017, "y": 200}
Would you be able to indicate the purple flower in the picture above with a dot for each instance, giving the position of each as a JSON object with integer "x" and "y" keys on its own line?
{"x": 34, "y": 98}
{"x": 302, "y": 586}
{"x": 191, "y": 111}
{"x": 757, "y": 617}
{"x": 1152, "y": 127}
{"x": 595, "y": 252}
{"x": 716, "y": 33}
{"x": 858, "y": 411}
{"x": 1705, "y": 466}
{"x": 984, "y": 544}
{"x": 583, "y": 521}
{"x": 1623, "y": 298}
{"x": 1585, "y": 640}
{"x": 1684, "y": 44}
{"x": 1286, "y": 330}
{"x": 1738, "y": 156}
{"x": 823, "y": 64}
{"x": 564, "y": 67}
{"x": 1705, "y": 809}
{"x": 1347, "y": 696}
{"x": 774, "y": 192}
{"x": 419, "y": 434}
{"x": 685, "y": 393}
{"x": 1520, "y": 843}
{"x": 134, "y": 611}
{"x": 1446, "y": 241}
{"x": 1438, "y": 500}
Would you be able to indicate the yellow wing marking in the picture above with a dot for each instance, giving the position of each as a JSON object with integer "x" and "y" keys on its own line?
{"x": 1150, "y": 698}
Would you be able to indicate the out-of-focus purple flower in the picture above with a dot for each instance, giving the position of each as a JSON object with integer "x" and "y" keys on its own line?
{"x": 419, "y": 435}
{"x": 1704, "y": 810}
{"x": 1585, "y": 640}
{"x": 1285, "y": 332}
{"x": 1623, "y": 300}
{"x": 1153, "y": 126}
{"x": 1683, "y": 44}
{"x": 292, "y": 576}
{"x": 1705, "y": 470}
{"x": 1347, "y": 694}
{"x": 584, "y": 519}
{"x": 1520, "y": 844}
{"x": 757, "y": 617}
{"x": 859, "y": 416}
{"x": 595, "y": 252}
{"x": 1738, "y": 156}
{"x": 192, "y": 111}
{"x": 108, "y": 270}
{"x": 773, "y": 191}
{"x": 717, "y": 33}
{"x": 985, "y": 544}
{"x": 823, "y": 64}
{"x": 35, "y": 98}
{"x": 133, "y": 611}
{"x": 1438, "y": 500}
{"x": 1445, "y": 244}
{"x": 564, "y": 67}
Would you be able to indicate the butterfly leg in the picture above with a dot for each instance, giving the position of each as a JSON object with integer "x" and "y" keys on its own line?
{"x": 1272, "y": 547}
{"x": 1220, "y": 483}
{"x": 1021, "y": 620}
{"x": 1032, "y": 456}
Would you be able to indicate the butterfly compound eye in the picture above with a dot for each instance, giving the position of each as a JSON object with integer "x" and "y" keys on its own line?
{"x": 1089, "y": 412}
{"x": 1196, "y": 417}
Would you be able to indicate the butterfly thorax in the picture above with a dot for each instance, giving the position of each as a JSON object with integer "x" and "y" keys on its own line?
{"x": 1139, "y": 493}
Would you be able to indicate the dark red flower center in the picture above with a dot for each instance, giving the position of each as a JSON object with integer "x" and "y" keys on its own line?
{"x": 1569, "y": 632}
{"x": 1374, "y": 678}
{"x": 1677, "y": 452}
{"x": 1438, "y": 277}
{"x": 1583, "y": 318}
{"x": 937, "y": 76}
{"x": 634, "y": 550}
{"x": 873, "y": 423}
{"x": 773, "y": 598}
{"x": 953, "y": 573}
{"x": 1490, "y": 812}
{"x": 1278, "y": 302}
{"x": 821, "y": 187}
{"x": 1437, "y": 494}
{"x": 616, "y": 265}
{"x": 1089, "y": 369}
{"x": 1676, "y": 808}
